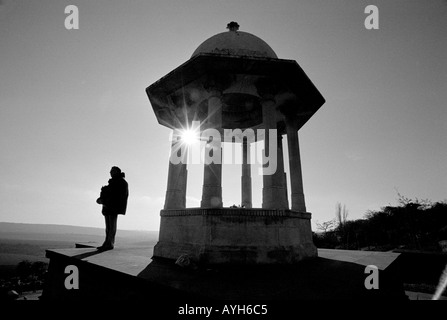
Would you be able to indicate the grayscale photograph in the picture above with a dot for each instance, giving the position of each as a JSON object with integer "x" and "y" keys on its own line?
{"x": 223, "y": 158}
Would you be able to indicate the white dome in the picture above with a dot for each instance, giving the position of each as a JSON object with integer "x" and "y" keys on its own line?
{"x": 236, "y": 43}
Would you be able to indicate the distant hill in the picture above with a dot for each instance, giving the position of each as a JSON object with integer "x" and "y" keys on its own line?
{"x": 52, "y": 229}
{"x": 23, "y": 241}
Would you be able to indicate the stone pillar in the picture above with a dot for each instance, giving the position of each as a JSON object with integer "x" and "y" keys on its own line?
{"x": 273, "y": 195}
{"x": 246, "y": 175}
{"x": 212, "y": 175}
{"x": 279, "y": 178}
{"x": 177, "y": 175}
{"x": 268, "y": 105}
{"x": 286, "y": 194}
{"x": 296, "y": 178}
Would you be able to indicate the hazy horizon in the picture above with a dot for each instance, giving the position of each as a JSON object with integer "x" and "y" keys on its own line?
{"x": 73, "y": 103}
{"x": 68, "y": 225}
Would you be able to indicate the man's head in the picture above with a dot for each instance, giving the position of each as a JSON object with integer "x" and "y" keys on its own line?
{"x": 115, "y": 172}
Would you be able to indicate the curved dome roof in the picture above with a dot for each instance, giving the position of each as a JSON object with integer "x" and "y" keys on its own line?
{"x": 236, "y": 43}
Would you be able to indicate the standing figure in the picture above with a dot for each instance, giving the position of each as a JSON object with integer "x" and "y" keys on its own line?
{"x": 113, "y": 198}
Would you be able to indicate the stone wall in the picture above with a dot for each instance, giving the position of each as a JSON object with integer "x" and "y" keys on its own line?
{"x": 245, "y": 236}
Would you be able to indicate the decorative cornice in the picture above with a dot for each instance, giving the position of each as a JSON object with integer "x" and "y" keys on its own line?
{"x": 241, "y": 212}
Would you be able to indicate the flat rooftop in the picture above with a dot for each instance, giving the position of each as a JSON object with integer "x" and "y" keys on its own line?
{"x": 335, "y": 274}
{"x": 133, "y": 260}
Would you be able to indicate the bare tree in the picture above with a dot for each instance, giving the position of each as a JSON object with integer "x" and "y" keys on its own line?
{"x": 341, "y": 214}
{"x": 325, "y": 226}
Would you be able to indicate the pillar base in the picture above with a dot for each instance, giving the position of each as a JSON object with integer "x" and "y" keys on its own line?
{"x": 211, "y": 197}
{"x": 175, "y": 199}
{"x": 298, "y": 203}
{"x": 274, "y": 198}
{"x": 236, "y": 236}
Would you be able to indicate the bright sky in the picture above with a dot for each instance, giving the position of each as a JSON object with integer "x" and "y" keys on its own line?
{"x": 73, "y": 102}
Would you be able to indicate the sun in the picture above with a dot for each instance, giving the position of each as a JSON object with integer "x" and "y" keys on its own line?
{"x": 189, "y": 136}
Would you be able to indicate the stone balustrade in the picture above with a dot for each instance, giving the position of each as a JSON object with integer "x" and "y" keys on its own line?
{"x": 240, "y": 212}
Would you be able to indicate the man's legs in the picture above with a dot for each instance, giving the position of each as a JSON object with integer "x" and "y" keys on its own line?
{"x": 111, "y": 223}
{"x": 112, "y": 229}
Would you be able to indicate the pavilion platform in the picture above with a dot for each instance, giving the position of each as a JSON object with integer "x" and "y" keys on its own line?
{"x": 129, "y": 273}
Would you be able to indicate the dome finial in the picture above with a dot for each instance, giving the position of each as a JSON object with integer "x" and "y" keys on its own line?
{"x": 233, "y": 26}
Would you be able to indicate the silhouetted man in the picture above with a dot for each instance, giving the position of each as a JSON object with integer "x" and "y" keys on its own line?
{"x": 113, "y": 198}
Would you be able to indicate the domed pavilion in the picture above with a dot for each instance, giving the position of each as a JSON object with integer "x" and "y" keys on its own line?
{"x": 235, "y": 83}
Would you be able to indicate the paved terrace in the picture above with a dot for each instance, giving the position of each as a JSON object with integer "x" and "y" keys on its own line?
{"x": 335, "y": 274}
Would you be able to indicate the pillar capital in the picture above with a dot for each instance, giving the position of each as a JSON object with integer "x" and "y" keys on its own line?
{"x": 279, "y": 137}
{"x": 214, "y": 93}
{"x": 268, "y": 99}
{"x": 268, "y": 104}
{"x": 291, "y": 121}
{"x": 267, "y": 87}
{"x": 217, "y": 82}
